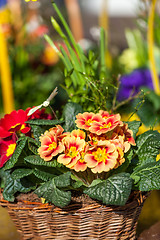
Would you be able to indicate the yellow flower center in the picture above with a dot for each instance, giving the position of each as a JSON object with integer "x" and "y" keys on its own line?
{"x": 100, "y": 155}
{"x": 16, "y": 125}
{"x": 11, "y": 149}
{"x": 13, "y": 127}
{"x": 88, "y": 123}
{"x": 23, "y": 126}
{"x": 53, "y": 145}
{"x": 106, "y": 125}
{"x": 72, "y": 152}
{"x": 82, "y": 157}
{"x": 158, "y": 157}
{"x": 94, "y": 141}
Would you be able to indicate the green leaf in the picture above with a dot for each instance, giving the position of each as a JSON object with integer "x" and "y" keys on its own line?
{"x": 21, "y": 172}
{"x": 153, "y": 97}
{"x": 13, "y": 186}
{"x": 44, "y": 122}
{"x": 32, "y": 148}
{"x": 33, "y": 145}
{"x": 63, "y": 180}
{"x": 134, "y": 126}
{"x": 146, "y": 112}
{"x": 148, "y": 145}
{"x": 53, "y": 194}
{"x": 70, "y": 111}
{"x": 115, "y": 190}
{"x": 14, "y": 158}
{"x": 37, "y": 132}
{"x": 95, "y": 182}
{"x": 147, "y": 176}
{"x": 37, "y": 160}
{"x": 31, "y": 140}
{"x": 45, "y": 176}
{"x": 76, "y": 182}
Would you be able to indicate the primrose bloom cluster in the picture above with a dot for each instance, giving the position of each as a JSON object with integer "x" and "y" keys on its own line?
{"x": 99, "y": 143}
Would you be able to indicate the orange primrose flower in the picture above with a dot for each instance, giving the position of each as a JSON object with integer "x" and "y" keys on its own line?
{"x": 78, "y": 133}
{"x": 104, "y": 114}
{"x": 120, "y": 147}
{"x": 85, "y": 120}
{"x": 50, "y": 144}
{"x": 102, "y": 158}
{"x": 105, "y": 125}
{"x": 81, "y": 164}
{"x": 73, "y": 147}
{"x": 126, "y": 134}
{"x": 96, "y": 140}
{"x": 58, "y": 130}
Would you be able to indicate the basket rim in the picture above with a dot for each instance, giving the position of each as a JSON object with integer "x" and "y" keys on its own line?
{"x": 136, "y": 200}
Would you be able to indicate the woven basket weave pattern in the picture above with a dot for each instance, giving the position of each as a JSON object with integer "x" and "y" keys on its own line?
{"x": 92, "y": 222}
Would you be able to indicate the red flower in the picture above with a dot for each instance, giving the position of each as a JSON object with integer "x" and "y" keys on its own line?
{"x": 39, "y": 114}
{"x": 7, "y": 148}
{"x": 14, "y": 122}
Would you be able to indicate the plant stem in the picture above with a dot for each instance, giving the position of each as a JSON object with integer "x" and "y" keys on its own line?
{"x": 102, "y": 54}
{"x": 150, "y": 37}
{"x": 69, "y": 34}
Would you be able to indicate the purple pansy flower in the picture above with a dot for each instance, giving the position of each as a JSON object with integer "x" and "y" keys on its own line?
{"x": 3, "y": 3}
{"x": 133, "y": 82}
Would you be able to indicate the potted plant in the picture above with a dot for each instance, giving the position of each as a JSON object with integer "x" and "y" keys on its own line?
{"x": 84, "y": 174}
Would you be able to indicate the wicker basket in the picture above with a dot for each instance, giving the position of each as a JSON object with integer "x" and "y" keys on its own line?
{"x": 77, "y": 221}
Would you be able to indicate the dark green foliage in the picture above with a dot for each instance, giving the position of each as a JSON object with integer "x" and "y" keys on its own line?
{"x": 69, "y": 113}
{"x": 148, "y": 145}
{"x": 115, "y": 190}
{"x": 52, "y": 191}
{"x": 15, "y": 157}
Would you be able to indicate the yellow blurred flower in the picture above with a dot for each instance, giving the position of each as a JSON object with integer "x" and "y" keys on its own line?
{"x": 4, "y": 16}
{"x": 143, "y": 128}
{"x": 50, "y": 57}
{"x": 129, "y": 60}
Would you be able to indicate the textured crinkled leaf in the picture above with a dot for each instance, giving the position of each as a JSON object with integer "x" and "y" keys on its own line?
{"x": 13, "y": 186}
{"x": 95, "y": 182}
{"x": 34, "y": 141}
{"x": 14, "y": 158}
{"x": 32, "y": 148}
{"x": 52, "y": 194}
{"x": 44, "y": 122}
{"x": 113, "y": 191}
{"x": 148, "y": 145}
{"x": 37, "y": 160}
{"x": 63, "y": 180}
{"x": 33, "y": 145}
{"x": 134, "y": 126}
{"x": 148, "y": 176}
{"x": 69, "y": 113}
{"x": 37, "y": 132}
{"x": 45, "y": 176}
{"x": 21, "y": 172}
